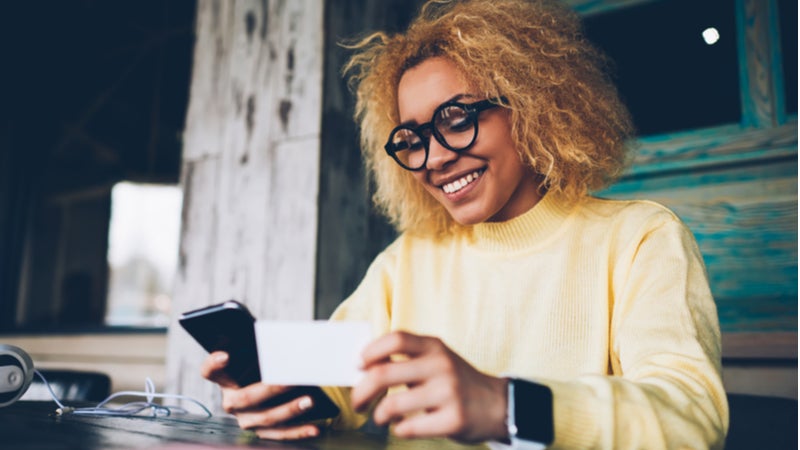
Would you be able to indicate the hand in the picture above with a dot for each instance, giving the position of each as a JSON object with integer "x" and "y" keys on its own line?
{"x": 245, "y": 404}
{"x": 446, "y": 396}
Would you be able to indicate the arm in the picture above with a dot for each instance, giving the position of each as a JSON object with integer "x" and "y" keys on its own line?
{"x": 666, "y": 391}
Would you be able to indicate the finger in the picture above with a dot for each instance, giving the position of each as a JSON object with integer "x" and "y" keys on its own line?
{"x": 398, "y": 405}
{"x": 288, "y": 433}
{"x": 397, "y": 342}
{"x": 378, "y": 378}
{"x": 213, "y": 369}
{"x": 249, "y": 397}
{"x": 436, "y": 423}
{"x": 274, "y": 417}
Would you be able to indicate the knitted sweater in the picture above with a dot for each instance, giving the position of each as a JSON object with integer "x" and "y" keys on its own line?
{"x": 605, "y": 302}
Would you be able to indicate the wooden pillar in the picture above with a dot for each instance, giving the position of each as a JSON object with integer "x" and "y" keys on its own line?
{"x": 760, "y": 63}
{"x": 250, "y": 170}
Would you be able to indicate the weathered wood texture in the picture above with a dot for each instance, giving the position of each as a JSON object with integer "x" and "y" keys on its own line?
{"x": 590, "y": 7}
{"x": 760, "y": 67}
{"x": 250, "y": 169}
{"x": 350, "y": 232}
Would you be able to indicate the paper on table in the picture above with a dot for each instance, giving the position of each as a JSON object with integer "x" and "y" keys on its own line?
{"x": 312, "y": 353}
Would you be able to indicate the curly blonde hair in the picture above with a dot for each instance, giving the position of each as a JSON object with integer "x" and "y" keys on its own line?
{"x": 566, "y": 117}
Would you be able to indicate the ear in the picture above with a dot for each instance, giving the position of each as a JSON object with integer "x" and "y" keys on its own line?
{"x": 16, "y": 373}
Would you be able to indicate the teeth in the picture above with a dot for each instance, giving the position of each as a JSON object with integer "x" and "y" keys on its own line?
{"x": 459, "y": 184}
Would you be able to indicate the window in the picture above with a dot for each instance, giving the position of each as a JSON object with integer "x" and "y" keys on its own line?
{"x": 675, "y": 62}
{"x": 99, "y": 92}
{"x": 142, "y": 253}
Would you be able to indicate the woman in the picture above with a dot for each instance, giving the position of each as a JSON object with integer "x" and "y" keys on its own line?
{"x": 514, "y": 307}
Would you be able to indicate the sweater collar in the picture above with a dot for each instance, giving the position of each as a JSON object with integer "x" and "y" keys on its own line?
{"x": 532, "y": 228}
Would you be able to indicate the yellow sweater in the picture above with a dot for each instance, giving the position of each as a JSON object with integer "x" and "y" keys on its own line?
{"x": 605, "y": 302}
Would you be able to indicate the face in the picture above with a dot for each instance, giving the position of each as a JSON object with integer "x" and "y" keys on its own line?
{"x": 485, "y": 183}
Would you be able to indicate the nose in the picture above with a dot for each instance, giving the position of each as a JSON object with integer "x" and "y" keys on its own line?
{"x": 439, "y": 156}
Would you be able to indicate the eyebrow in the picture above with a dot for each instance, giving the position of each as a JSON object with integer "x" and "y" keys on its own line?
{"x": 455, "y": 98}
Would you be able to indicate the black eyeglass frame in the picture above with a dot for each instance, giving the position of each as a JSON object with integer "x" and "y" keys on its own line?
{"x": 472, "y": 110}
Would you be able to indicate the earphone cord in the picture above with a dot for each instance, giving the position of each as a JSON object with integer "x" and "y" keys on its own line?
{"x": 127, "y": 409}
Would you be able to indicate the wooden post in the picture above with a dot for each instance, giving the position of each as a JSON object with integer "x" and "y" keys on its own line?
{"x": 760, "y": 64}
{"x": 250, "y": 170}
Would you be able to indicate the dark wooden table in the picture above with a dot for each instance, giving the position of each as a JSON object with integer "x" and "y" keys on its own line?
{"x": 35, "y": 426}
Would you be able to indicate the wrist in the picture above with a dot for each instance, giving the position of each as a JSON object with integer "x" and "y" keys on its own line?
{"x": 500, "y": 412}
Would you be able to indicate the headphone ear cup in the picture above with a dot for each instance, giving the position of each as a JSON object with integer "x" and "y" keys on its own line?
{"x": 16, "y": 373}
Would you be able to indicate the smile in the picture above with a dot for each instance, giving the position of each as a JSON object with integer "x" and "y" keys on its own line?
{"x": 462, "y": 182}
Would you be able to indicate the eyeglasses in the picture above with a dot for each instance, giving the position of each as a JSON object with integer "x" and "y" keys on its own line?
{"x": 454, "y": 125}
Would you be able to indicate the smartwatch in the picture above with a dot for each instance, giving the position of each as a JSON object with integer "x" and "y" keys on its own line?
{"x": 530, "y": 414}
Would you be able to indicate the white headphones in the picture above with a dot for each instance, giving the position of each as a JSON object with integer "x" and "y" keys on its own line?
{"x": 16, "y": 373}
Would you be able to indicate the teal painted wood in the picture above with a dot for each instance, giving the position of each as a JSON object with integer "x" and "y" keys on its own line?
{"x": 698, "y": 149}
{"x": 760, "y": 74}
{"x": 591, "y": 7}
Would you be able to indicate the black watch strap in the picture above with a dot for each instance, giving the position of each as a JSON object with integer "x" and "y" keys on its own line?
{"x": 532, "y": 415}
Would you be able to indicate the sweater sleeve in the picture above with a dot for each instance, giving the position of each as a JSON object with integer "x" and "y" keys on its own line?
{"x": 665, "y": 390}
{"x": 370, "y": 302}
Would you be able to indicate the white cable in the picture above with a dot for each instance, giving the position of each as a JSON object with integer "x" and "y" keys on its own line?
{"x": 127, "y": 409}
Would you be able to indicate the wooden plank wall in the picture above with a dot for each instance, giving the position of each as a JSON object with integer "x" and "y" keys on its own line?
{"x": 250, "y": 169}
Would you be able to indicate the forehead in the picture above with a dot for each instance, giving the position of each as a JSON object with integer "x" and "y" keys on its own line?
{"x": 427, "y": 85}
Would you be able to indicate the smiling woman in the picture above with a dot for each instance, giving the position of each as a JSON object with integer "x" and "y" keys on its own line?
{"x": 513, "y": 307}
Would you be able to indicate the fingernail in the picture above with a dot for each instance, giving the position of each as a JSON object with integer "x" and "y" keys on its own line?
{"x": 221, "y": 357}
{"x": 304, "y": 403}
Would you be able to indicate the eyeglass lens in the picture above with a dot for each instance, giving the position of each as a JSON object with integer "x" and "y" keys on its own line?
{"x": 454, "y": 128}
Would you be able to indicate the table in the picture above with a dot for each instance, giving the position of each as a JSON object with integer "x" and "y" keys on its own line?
{"x": 29, "y": 425}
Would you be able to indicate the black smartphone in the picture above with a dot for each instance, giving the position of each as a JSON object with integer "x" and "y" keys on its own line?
{"x": 230, "y": 327}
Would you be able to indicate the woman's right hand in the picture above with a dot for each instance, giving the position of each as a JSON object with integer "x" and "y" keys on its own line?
{"x": 245, "y": 403}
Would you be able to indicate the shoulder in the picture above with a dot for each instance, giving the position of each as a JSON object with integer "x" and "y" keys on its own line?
{"x": 627, "y": 224}
{"x": 626, "y": 215}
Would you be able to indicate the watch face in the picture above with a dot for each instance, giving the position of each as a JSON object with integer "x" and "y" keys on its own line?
{"x": 533, "y": 412}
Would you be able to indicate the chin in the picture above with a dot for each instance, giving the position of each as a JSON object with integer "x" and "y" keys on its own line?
{"x": 467, "y": 218}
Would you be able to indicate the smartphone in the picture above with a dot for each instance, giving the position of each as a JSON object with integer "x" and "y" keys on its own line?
{"x": 230, "y": 327}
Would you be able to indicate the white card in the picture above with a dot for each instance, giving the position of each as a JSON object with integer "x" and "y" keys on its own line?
{"x": 315, "y": 353}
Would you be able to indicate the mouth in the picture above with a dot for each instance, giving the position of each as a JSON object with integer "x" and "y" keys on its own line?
{"x": 459, "y": 184}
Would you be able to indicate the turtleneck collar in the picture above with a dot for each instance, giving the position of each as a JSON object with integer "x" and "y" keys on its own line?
{"x": 532, "y": 228}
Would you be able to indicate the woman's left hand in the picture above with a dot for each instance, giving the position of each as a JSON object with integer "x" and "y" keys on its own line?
{"x": 446, "y": 396}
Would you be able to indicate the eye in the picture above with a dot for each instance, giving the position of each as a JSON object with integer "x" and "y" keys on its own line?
{"x": 406, "y": 140}
{"x": 453, "y": 120}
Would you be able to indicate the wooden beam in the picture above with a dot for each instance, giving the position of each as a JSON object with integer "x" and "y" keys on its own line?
{"x": 592, "y": 7}
{"x": 767, "y": 345}
{"x": 702, "y": 149}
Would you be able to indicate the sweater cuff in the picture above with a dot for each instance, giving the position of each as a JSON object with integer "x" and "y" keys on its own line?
{"x": 573, "y": 421}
